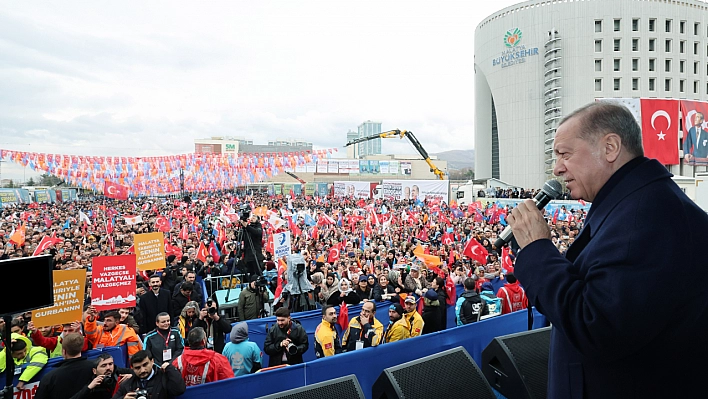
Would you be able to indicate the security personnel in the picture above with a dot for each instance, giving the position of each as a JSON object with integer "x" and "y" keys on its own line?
{"x": 326, "y": 337}
{"x": 364, "y": 330}
{"x": 32, "y": 358}
{"x": 413, "y": 318}
{"x": 164, "y": 343}
{"x": 398, "y": 328}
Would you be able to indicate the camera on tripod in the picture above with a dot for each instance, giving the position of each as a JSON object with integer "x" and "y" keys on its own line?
{"x": 245, "y": 210}
{"x": 300, "y": 269}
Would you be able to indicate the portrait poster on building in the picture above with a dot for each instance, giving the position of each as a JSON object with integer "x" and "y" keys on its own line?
{"x": 374, "y": 167}
{"x": 404, "y": 190}
{"x": 406, "y": 168}
{"x": 69, "y": 288}
{"x": 281, "y": 244}
{"x": 113, "y": 285}
{"x": 363, "y": 167}
{"x": 695, "y": 132}
{"x": 150, "y": 251}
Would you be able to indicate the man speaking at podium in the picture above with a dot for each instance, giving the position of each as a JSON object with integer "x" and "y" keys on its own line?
{"x": 621, "y": 329}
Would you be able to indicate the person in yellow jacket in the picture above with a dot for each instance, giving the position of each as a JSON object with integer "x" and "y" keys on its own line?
{"x": 326, "y": 337}
{"x": 398, "y": 328}
{"x": 413, "y": 318}
{"x": 27, "y": 357}
{"x": 111, "y": 333}
{"x": 364, "y": 330}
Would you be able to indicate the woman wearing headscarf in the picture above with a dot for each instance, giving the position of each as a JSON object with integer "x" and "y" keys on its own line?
{"x": 344, "y": 294}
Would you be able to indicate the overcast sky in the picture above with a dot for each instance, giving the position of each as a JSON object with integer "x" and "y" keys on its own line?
{"x": 147, "y": 78}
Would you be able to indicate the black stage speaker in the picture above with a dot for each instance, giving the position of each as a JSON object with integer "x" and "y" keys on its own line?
{"x": 449, "y": 374}
{"x": 516, "y": 365}
{"x": 346, "y": 387}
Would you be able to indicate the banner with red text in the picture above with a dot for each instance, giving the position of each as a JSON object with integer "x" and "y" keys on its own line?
{"x": 113, "y": 285}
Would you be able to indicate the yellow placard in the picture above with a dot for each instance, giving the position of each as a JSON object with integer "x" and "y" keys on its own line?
{"x": 69, "y": 288}
{"x": 150, "y": 251}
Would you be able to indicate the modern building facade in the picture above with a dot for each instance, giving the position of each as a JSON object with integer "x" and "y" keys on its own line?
{"x": 537, "y": 61}
{"x": 371, "y": 147}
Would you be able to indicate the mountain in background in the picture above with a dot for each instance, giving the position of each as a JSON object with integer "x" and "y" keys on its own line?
{"x": 457, "y": 159}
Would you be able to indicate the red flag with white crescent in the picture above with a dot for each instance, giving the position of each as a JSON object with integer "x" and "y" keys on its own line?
{"x": 660, "y": 127}
{"x": 474, "y": 250}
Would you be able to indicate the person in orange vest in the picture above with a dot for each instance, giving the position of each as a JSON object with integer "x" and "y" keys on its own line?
{"x": 512, "y": 295}
{"x": 111, "y": 333}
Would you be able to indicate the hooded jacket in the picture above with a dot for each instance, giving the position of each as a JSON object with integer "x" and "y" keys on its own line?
{"x": 243, "y": 355}
{"x": 513, "y": 297}
{"x": 33, "y": 362}
{"x": 199, "y": 366}
{"x": 470, "y": 308}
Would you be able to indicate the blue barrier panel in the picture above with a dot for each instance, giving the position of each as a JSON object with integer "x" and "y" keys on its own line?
{"x": 258, "y": 328}
{"x": 251, "y": 386}
{"x": 53, "y": 363}
{"x": 367, "y": 364}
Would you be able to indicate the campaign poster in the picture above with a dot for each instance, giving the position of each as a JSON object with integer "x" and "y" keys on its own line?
{"x": 352, "y": 189}
{"x": 393, "y": 167}
{"x": 113, "y": 285}
{"x": 311, "y": 167}
{"x": 404, "y": 190}
{"x": 374, "y": 167}
{"x": 406, "y": 168}
{"x": 281, "y": 244}
{"x": 322, "y": 166}
{"x": 69, "y": 288}
{"x": 300, "y": 168}
{"x": 333, "y": 167}
{"x": 384, "y": 167}
{"x": 363, "y": 167}
{"x": 42, "y": 196}
{"x": 150, "y": 251}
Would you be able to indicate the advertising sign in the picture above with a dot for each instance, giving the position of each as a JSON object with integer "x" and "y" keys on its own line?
{"x": 352, "y": 189}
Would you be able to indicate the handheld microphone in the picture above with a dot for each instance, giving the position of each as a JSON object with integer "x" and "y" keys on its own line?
{"x": 551, "y": 190}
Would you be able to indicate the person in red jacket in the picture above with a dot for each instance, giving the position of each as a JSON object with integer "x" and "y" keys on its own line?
{"x": 512, "y": 295}
{"x": 199, "y": 365}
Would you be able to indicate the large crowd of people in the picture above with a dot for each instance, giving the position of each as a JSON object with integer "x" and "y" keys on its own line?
{"x": 352, "y": 251}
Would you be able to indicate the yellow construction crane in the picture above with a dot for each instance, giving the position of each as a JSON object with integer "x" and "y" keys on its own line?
{"x": 409, "y": 135}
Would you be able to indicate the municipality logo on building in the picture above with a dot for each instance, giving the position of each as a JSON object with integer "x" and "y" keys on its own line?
{"x": 512, "y": 37}
{"x": 514, "y": 53}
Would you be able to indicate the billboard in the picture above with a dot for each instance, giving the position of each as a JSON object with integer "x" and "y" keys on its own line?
{"x": 207, "y": 148}
{"x": 11, "y": 196}
{"x": 352, "y": 189}
{"x": 405, "y": 190}
{"x": 406, "y": 168}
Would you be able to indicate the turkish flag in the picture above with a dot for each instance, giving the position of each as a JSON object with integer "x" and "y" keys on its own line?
{"x": 474, "y": 250}
{"x": 214, "y": 252}
{"x": 184, "y": 234}
{"x": 333, "y": 254}
{"x": 343, "y": 318}
{"x": 162, "y": 224}
{"x": 45, "y": 244}
{"x": 447, "y": 239}
{"x": 451, "y": 291}
{"x": 507, "y": 263}
{"x": 660, "y": 126}
{"x": 109, "y": 226}
{"x": 202, "y": 252}
{"x": 115, "y": 191}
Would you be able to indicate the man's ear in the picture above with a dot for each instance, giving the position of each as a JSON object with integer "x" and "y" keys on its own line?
{"x": 612, "y": 146}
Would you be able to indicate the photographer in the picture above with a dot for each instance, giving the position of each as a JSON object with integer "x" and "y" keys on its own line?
{"x": 251, "y": 301}
{"x": 286, "y": 340}
{"x": 252, "y": 249}
{"x": 152, "y": 381}
{"x": 216, "y": 327}
{"x": 106, "y": 379}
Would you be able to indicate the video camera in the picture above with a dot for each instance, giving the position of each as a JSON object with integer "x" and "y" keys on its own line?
{"x": 245, "y": 211}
